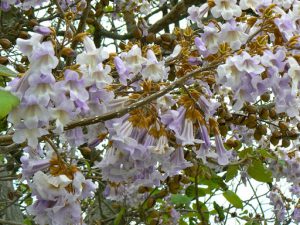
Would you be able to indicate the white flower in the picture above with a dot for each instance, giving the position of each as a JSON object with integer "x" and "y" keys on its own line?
{"x": 49, "y": 187}
{"x": 154, "y": 70}
{"x": 134, "y": 59}
{"x": 246, "y": 4}
{"x": 43, "y": 58}
{"x": 31, "y": 135}
{"x": 233, "y": 35}
{"x": 27, "y": 46}
{"x": 294, "y": 72}
{"x": 227, "y": 8}
{"x": 92, "y": 55}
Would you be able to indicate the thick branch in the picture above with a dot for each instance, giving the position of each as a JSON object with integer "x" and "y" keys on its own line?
{"x": 174, "y": 15}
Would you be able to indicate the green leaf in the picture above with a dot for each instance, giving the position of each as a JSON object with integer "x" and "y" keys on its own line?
{"x": 259, "y": 172}
{"x": 265, "y": 153}
{"x": 27, "y": 221}
{"x": 246, "y": 153}
{"x": 91, "y": 29}
{"x": 220, "y": 211}
{"x": 190, "y": 191}
{"x": 232, "y": 172}
{"x": 119, "y": 217}
{"x": 233, "y": 199}
{"x": 7, "y": 102}
{"x": 5, "y": 72}
{"x": 180, "y": 199}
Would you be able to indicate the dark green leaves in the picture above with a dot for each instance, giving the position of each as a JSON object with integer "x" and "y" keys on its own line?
{"x": 259, "y": 172}
{"x": 233, "y": 199}
{"x": 7, "y": 102}
{"x": 232, "y": 172}
{"x": 180, "y": 199}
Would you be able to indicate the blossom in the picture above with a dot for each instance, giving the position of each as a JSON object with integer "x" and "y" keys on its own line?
{"x": 226, "y": 8}
{"x": 43, "y": 58}
{"x": 233, "y": 34}
{"x": 223, "y": 154}
{"x": 279, "y": 207}
{"x": 210, "y": 38}
{"x": 92, "y": 55}
{"x": 74, "y": 86}
{"x": 27, "y": 46}
{"x": 187, "y": 137}
{"x": 294, "y": 72}
{"x": 134, "y": 59}
{"x": 246, "y": 63}
{"x": 175, "y": 163}
{"x": 23, "y": 133}
{"x": 153, "y": 69}
{"x": 197, "y": 13}
{"x": 246, "y": 4}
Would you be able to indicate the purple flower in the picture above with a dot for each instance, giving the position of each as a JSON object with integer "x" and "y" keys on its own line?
{"x": 296, "y": 215}
{"x": 232, "y": 34}
{"x": 176, "y": 163}
{"x": 223, "y": 154}
{"x": 279, "y": 207}
{"x": 43, "y": 58}
{"x": 42, "y": 30}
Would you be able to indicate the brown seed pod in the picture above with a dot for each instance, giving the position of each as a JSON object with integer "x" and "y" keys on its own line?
{"x": 223, "y": 130}
{"x": 163, "y": 193}
{"x": 137, "y": 33}
{"x": 173, "y": 187}
{"x": 292, "y": 134}
{"x": 90, "y": 20}
{"x": 274, "y": 140}
{"x": 277, "y": 134}
{"x": 251, "y": 109}
{"x": 264, "y": 114}
{"x": 167, "y": 38}
{"x": 3, "y": 60}
{"x": 150, "y": 202}
{"x": 221, "y": 121}
{"x": 151, "y": 38}
{"x": 231, "y": 143}
{"x": 283, "y": 126}
{"x": 68, "y": 52}
{"x": 265, "y": 97}
{"x": 257, "y": 135}
{"x": 154, "y": 222}
{"x": 105, "y": 2}
{"x": 273, "y": 114}
{"x": 23, "y": 35}
{"x": 285, "y": 142}
{"x": 262, "y": 129}
{"x": 154, "y": 214}
{"x": 143, "y": 189}
{"x": 33, "y": 23}
{"x": 5, "y": 43}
